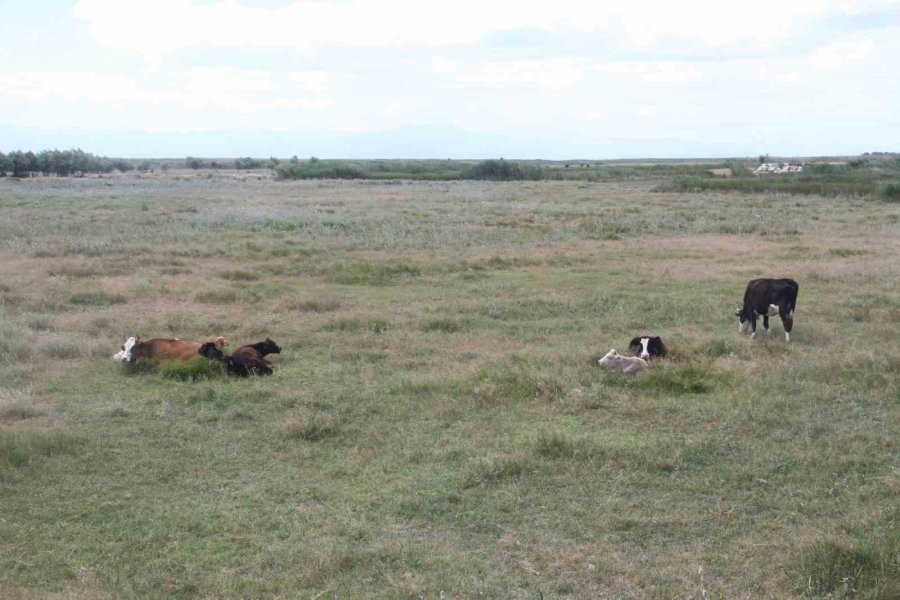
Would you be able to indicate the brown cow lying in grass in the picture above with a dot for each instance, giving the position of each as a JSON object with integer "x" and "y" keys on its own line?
{"x": 162, "y": 349}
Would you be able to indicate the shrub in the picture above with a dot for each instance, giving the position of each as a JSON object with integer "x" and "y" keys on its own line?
{"x": 889, "y": 191}
{"x": 501, "y": 170}
{"x": 318, "y": 170}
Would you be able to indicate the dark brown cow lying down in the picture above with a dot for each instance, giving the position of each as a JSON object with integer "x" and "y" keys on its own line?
{"x": 167, "y": 349}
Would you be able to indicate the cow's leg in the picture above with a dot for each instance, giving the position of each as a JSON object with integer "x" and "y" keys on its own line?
{"x": 753, "y": 324}
{"x": 766, "y": 323}
{"x": 787, "y": 319}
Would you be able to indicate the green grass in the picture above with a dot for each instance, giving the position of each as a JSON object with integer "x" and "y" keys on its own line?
{"x": 436, "y": 420}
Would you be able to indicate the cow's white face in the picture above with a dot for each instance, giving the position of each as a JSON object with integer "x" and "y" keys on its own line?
{"x": 609, "y": 359}
{"x": 125, "y": 354}
{"x": 645, "y": 353}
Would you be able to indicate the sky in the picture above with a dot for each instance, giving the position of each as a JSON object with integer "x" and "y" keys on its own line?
{"x": 464, "y": 79}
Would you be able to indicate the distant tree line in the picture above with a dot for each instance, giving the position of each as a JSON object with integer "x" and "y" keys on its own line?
{"x": 242, "y": 163}
{"x": 62, "y": 163}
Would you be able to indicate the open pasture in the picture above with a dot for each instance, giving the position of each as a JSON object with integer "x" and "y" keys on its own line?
{"x": 437, "y": 421}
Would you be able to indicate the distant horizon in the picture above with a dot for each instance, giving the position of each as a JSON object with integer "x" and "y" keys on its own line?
{"x": 119, "y": 145}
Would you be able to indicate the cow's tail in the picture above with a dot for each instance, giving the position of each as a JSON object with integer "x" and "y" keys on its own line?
{"x": 792, "y": 301}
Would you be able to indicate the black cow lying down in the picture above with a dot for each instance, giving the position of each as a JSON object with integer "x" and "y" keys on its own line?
{"x": 761, "y": 297}
{"x": 242, "y": 366}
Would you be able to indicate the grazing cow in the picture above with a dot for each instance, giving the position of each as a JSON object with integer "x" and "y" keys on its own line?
{"x": 242, "y": 366}
{"x": 165, "y": 349}
{"x": 626, "y": 364}
{"x": 768, "y": 297}
{"x": 647, "y": 347}
{"x": 258, "y": 350}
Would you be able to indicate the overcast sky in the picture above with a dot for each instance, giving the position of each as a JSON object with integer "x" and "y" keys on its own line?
{"x": 461, "y": 79}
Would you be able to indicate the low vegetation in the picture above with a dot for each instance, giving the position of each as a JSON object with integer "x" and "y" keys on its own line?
{"x": 859, "y": 178}
{"x": 437, "y": 422}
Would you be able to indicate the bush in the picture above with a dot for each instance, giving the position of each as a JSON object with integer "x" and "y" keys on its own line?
{"x": 501, "y": 170}
{"x": 318, "y": 169}
{"x": 889, "y": 192}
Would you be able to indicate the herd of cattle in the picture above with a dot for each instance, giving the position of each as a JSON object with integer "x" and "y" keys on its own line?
{"x": 763, "y": 298}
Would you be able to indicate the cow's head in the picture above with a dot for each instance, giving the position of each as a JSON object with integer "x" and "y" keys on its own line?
{"x": 139, "y": 350}
{"x": 125, "y": 354}
{"x": 609, "y": 359}
{"x": 743, "y": 319}
{"x": 211, "y": 351}
{"x": 270, "y": 347}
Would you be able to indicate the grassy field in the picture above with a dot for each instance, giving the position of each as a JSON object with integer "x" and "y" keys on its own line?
{"x": 436, "y": 422}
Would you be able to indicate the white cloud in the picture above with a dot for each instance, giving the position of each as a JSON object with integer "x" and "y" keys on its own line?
{"x": 836, "y": 56}
{"x": 658, "y": 71}
{"x": 551, "y": 75}
{"x": 168, "y": 26}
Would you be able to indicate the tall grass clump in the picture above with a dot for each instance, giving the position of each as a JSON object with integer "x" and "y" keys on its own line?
{"x": 866, "y": 568}
{"x": 501, "y": 170}
{"x": 19, "y": 448}
{"x": 96, "y": 299}
{"x": 193, "y": 370}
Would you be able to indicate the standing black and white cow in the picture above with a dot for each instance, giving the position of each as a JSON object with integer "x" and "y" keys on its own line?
{"x": 764, "y": 297}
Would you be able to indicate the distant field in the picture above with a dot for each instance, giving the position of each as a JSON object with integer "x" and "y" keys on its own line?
{"x": 437, "y": 422}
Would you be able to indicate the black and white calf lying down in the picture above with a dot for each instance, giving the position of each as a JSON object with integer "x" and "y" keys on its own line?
{"x": 766, "y": 298}
{"x": 246, "y": 360}
{"x": 647, "y": 347}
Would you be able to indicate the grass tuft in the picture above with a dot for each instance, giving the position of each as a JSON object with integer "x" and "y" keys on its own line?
{"x": 96, "y": 299}
{"x": 682, "y": 379}
{"x": 20, "y": 448}
{"x": 305, "y": 424}
{"x": 239, "y": 276}
{"x": 193, "y": 370}
{"x": 494, "y": 471}
{"x": 866, "y": 568}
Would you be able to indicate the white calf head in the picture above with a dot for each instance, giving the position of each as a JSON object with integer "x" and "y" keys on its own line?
{"x": 609, "y": 359}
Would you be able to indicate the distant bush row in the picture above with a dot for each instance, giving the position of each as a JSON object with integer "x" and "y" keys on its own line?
{"x": 489, "y": 170}
{"x": 59, "y": 162}
{"x": 854, "y": 178}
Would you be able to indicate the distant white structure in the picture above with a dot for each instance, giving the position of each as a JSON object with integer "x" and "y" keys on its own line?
{"x": 778, "y": 168}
